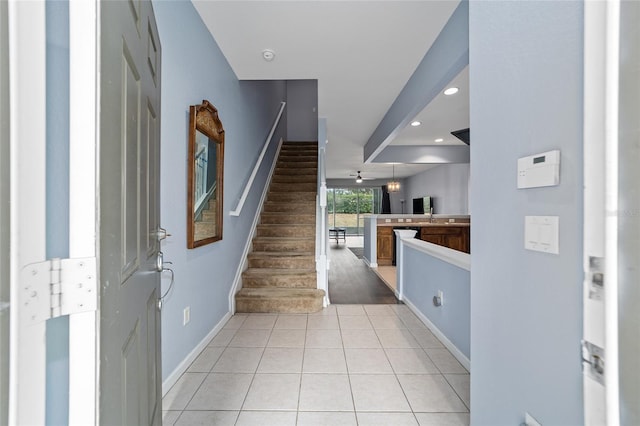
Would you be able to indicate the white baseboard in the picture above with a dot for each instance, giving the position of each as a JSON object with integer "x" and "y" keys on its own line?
{"x": 440, "y": 335}
{"x": 186, "y": 362}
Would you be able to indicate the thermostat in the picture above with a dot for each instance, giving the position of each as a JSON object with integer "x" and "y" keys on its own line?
{"x": 539, "y": 170}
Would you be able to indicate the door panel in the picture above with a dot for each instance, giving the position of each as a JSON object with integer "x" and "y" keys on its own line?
{"x": 129, "y": 215}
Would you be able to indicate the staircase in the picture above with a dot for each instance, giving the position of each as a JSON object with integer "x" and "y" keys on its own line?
{"x": 205, "y": 225}
{"x": 281, "y": 276}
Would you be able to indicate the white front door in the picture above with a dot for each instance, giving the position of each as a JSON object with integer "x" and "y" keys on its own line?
{"x": 130, "y": 392}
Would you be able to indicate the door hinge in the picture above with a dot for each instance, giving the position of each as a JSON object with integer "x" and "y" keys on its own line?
{"x": 58, "y": 287}
{"x": 595, "y": 276}
{"x": 593, "y": 361}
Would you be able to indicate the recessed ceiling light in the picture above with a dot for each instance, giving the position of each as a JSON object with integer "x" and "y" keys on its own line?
{"x": 451, "y": 91}
{"x": 268, "y": 55}
{"x": 439, "y": 140}
{"x": 416, "y": 123}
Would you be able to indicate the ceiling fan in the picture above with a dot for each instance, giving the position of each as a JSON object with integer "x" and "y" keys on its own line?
{"x": 359, "y": 177}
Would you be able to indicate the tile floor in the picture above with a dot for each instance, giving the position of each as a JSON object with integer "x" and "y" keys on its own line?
{"x": 346, "y": 365}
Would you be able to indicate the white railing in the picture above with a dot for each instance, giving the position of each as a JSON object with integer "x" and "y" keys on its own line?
{"x": 201, "y": 178}
{"x": 322, "y": 236}
{"x": 247, "y": 188}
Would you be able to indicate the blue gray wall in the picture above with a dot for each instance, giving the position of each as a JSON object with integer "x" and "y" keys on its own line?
{"x": 526, "y": 81}
{"x": 193, "y": 69}
{"x": 302, "y": 110}
{"x": 57, "y": 200}
{"x": 448, "y": 183}
{"x": 423, "y": 276}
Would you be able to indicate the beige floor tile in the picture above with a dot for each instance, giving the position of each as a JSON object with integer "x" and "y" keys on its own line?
{"x": 281, "y": 360}
{"x": 323, "y": 339}
{"x": 326, "y": 418}
{"x": 287, "y": 339}
{"x": 411, "y": 321}
{"x": 367, "y": 361}
{"x": 443, "y": 419}
{"x": 206, "y": 418}
{"x": 379, "y": 310}
{"x": 291, "y": 322}
{"x": 460, "y": 383}
{"x": 235, "y": 322}
{"x": 400, "y": 338}
{"x": 169, "y": 418}
{"x": 273, "y": 392}
{"x": 249, "y": 338}
{"x": 350, "y": 310}
{"x": 329, "y": 310}
{"x": 205, "y": 361}
{"x": 387, "y": 322}
{"x": 354, "y": 322}
{"x": 238, "y": 360}
{"x": 426, "y": 339}
{"x": 260, "y": 321}
{"x": 378, "y": 393}
{"x": 360, "y": 339}
{"x": 325, "y": 392}
{"x": 431, "y": 393}
{"x": 410, "y": 361}
{"x": 324, "y": 360}
{"x": 264, "y": 418}
{"x": 445, "y": 362}
{"x": 386, "y": 419}
{"x": 182, "y": 391}
{"x": 223, "y": 337}
{"x": 221, "y": 391}
{"x": 323, "y": 322}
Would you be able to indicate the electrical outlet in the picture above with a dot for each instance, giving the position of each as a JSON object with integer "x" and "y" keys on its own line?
{"x": 400, "y": 220}
{"x": 186, "y": 315}
{"x": 441, "y": 296}
{"x": 408, "y": 220}
{"x": 451, "y": 220}
{"x": 387, "y": 221}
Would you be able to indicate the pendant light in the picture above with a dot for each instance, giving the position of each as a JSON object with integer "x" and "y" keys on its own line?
{"x": 393, "y": 185}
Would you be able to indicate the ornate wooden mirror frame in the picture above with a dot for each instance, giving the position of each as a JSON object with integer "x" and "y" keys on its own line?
{"x": 205, "y": 164}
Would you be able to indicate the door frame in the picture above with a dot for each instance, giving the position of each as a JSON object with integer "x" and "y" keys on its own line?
{"x": 27, "y": 33}
{"x": 27, "y": 106}
{"x": 84, "y": 351}
{"x": 600, "y": 226}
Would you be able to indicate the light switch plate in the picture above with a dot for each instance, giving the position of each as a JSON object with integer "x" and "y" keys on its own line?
{"x": 541, "y": 233}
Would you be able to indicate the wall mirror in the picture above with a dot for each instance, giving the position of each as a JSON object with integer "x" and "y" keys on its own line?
{"x": 205, "y": 175}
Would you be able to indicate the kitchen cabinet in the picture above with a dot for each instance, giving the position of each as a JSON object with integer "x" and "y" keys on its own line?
{"x": 452, "y": 236}
{"x": 455, "y": 237}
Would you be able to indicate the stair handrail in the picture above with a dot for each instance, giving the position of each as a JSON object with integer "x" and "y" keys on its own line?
{"x": 247, "y": 188}
{"x": 322, "y": 235}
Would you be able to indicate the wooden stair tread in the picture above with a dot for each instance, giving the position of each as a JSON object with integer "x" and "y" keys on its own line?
{"x": 277, "y": 271}
{"x": 281, "y": 254}
{"x": 277, "y": 292}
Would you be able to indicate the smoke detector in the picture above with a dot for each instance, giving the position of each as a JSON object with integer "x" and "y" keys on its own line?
{"x": 268, "y": 55}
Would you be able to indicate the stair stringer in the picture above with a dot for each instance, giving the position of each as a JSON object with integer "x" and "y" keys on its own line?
{"x": 244, "y": 262}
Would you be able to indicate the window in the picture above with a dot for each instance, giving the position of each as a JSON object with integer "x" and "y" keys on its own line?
{"x": 347, "y": 207}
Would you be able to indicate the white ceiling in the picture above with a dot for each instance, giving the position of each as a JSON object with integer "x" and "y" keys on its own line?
{"x": 361, "y": 52}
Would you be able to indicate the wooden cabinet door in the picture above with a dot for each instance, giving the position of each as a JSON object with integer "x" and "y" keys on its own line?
{"x": 385, "y": 245}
